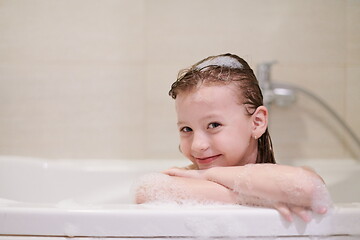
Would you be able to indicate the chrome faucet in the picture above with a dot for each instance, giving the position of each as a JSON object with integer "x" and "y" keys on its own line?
{"x": 283, "y": 95}
{"x": 278, "y": 94}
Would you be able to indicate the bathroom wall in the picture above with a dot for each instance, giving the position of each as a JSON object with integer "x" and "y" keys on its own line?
{"x": 89, "y": 78}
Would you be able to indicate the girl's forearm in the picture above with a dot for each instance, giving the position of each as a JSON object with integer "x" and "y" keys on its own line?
{"x": 160, "y": 187}
{"x": 278, "y": 183}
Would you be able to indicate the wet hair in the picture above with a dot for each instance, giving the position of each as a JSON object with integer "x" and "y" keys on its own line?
{"x": 226, "y": 69}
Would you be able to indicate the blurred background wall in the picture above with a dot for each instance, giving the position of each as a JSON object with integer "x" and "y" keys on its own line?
{"x": 89, "y": 78}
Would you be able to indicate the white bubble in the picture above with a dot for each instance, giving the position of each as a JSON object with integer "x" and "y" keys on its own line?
{"x": 244, "y": 189}
{"x": 316, "y": 195}
{"x": 161, "y": 189}
{"x": 223, "y": 61}
{"x": 321, "y": 197}
{"x": 155, "y": 187}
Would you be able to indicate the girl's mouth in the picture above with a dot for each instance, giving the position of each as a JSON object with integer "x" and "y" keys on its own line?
{"x": 207, "y": 160}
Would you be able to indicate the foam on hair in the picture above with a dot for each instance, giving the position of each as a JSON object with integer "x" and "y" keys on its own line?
{"x": 222, "y": 61}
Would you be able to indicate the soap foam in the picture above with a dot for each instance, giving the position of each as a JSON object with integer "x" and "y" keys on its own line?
{"x": 222, "y": 61}
{"x": 319, "y": 198}
{"x": 242, "y": 182}
{"x": 158, "y": 187}
{"x": 162, "y": 189}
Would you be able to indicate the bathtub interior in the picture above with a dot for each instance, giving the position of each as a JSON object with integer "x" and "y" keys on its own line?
{"x": 85, "y": 181}
{"x": 69, "y": 181}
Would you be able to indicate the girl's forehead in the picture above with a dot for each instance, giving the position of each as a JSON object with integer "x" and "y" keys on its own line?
{"x": 209, "y": 93}
{"x": 206, "y": 101}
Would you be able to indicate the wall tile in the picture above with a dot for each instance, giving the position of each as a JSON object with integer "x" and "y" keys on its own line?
{"x": 90, "y": 79}
{"x": 161, "y": 130}
{"x": 258, "y": 29}
{"x": 352, "y": 97}
{"x": 71, "y": 78}
{"x": 71, "y": 32}
{"x": 73, "y": 111}
{"x": 353, "y": 33}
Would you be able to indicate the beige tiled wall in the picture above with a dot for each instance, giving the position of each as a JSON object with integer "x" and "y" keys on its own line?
{"x": 89, "y": 78}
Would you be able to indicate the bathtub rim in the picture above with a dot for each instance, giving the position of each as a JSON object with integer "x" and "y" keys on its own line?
{"x": 123, "y": 220}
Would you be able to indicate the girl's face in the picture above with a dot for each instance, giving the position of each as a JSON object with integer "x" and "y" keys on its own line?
{"x": 215, "y": 130}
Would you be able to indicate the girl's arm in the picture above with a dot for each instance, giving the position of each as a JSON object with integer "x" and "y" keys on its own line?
{"x": 164, "y": 188}
{"x": 288, "y": 189}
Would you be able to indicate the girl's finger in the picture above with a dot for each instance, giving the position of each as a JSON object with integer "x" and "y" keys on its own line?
{"x": 284, "y": 210}
{"x": 302, "y": 212}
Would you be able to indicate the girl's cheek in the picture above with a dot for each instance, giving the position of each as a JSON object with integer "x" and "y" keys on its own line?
{"x": 183, "y": 147}
{"x": 185, "y": 150}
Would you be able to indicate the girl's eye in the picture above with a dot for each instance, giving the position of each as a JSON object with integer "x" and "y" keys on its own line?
{"x": 185, "y": 129}
{"x": 214, "y": 125}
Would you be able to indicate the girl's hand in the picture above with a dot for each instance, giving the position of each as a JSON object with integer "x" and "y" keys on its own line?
{"x": 179, "y": 172}
{"x": 286, "y": 211}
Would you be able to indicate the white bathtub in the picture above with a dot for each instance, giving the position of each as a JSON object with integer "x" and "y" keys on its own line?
{"x": 42, "y": 199}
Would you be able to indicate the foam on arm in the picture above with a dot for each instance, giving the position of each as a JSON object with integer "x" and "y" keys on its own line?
{"x": 158, "y": 187}
{"x": 267, "y": 184}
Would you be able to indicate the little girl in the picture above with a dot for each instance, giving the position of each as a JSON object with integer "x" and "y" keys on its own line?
{"x": 223, "y": 131}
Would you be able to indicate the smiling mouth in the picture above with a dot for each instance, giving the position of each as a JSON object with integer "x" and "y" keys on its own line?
{"x": 206, "y": 160}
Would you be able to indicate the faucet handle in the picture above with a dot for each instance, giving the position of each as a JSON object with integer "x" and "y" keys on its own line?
{"x": 263, "y": 74}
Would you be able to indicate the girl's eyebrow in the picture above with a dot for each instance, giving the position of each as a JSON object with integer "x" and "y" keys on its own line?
{"x": 180, "y": 123}
{"x": 210, "y": 116}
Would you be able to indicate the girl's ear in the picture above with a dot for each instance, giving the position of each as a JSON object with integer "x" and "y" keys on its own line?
{"x": 259, "y": 122}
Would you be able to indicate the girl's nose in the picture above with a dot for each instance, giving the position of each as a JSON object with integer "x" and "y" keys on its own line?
{"x": 200, "y": 142}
